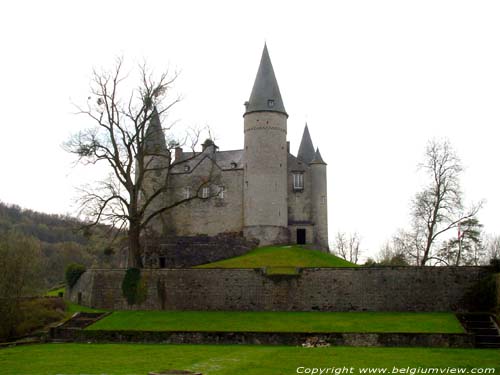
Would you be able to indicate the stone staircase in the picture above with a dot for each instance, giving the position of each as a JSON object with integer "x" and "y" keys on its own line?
{"x": 80, "y": 320}
{"x": 484, "y": 328}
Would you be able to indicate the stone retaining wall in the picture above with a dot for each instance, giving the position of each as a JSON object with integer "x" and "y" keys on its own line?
{"x": 313, "y": 289}
{"x": 188, "y": 251}
{"x": 269, "y": 338}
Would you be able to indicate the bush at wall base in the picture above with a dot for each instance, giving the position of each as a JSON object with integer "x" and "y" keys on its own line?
{"x": 73, "y": 273}
{"x": 133, "y": 287}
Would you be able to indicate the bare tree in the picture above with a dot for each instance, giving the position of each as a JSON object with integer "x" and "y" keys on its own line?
{"x": 439, "y": 206}
{"x": 491, "y": 244}
{"x": 128, "y": 139}
{"x": 409, "y": 244}
{"x": 348, "y": 246}
{"x": 391, "y": 254}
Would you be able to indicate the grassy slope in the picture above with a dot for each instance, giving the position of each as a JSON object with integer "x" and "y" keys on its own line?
{"x": 224, "y": 360}
{"x": 279, "y": 321}
{"x": 71, "y": 307}
{"x": 55, "y": 292}
{"x": 281, "y": 256}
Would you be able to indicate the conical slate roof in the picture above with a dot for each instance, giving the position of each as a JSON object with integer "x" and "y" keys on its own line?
{"x": 265, "y": 94}
{"x": 155, "y": 138}
{"x": 306, "y": 149}
{"x": 317, "y": 158}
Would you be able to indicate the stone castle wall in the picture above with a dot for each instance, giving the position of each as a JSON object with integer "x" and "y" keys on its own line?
{"x": 316, "y": 289}
{"x": 189, "y": 251}
{"x": 206, "y": 216}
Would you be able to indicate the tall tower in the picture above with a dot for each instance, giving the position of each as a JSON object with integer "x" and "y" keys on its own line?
{"x": 155, "y": 165}
{"x": 265, "y": 182}
{"x": 318, "y": 200}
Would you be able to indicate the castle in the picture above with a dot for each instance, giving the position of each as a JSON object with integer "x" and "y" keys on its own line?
{"x": 262, "y": 192}
{"x": 259, "y": 195}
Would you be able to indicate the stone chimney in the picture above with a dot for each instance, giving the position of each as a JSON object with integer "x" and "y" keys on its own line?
{"x": 178, "y": 153}
{"x": 209, "y": 144}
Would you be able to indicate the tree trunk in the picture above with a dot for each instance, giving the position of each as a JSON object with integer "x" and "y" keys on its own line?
{"x": 134, "y": 245}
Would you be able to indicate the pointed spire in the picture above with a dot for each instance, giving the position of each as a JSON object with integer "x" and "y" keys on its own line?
{"x": 306, "y": 149}
{"x": 155, "y": 137}
{"x": 265, "y": 94}
{"x": 317, "y": 158}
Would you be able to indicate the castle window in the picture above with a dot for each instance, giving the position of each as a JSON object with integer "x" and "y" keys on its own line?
{"x": 205, "y": 192}
{"x": 187, "y": 192}
{"x": 187, "y": 168}
{"x": 298, "y": 181}
{"x": 222, "y": 192}
{"x": 270, "y": 103}
{"x": 233, "y": 165}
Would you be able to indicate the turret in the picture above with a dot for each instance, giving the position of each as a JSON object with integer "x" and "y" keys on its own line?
{"x": 265, "y": 177}
{"x": 319, "y": 201}
{"x": 156, "y": 162}
{"x": 306, "y": 149}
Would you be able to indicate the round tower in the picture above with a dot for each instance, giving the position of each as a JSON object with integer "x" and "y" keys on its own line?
{"x": 265, "y": 178}
{"x": 319, "y": 201}
{"x": 155, "y": 169}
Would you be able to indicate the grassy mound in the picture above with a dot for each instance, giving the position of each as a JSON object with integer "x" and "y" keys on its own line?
{"x": 236, "y": 321}
{"x": 281, "y": 256}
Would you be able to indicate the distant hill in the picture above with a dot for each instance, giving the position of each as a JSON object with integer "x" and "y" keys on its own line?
{"x": 281, "y": 256}
{"x": 62, "y": 239}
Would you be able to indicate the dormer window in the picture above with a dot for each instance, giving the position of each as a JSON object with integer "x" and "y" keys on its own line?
{"x": 298, "y": 181}
{"x": 270, "y": 103}
{"x": 205, "y": 192}
{"x": 233, "y": 165}
{"x": 187, "y": 168}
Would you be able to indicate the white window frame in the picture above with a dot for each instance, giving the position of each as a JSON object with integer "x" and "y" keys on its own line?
{"x": 205, "y": 192}
{"x": 222, "y": 192}
{"x": 298, "y": 181}
{"x": 187, "y": 192}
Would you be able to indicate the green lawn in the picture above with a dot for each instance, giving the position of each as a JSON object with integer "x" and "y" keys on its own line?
{"x": 73, "y": 308}
{"x": 115, "y": 359}
{"x": 279, "y": 321}
{"x": 281, "y": 256}
{"x": 55, "y": 292}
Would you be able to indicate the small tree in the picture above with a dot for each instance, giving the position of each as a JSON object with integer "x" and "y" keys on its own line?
{"x": 491, "y": 244}
{"x": 124, "y": 139}
{"x": 73, "y": 273}
{"x": 466, "y": 248}
{"x": 439, "y": 207}
{"x": 391, "y": 255}
{"x": 347, "y": 246}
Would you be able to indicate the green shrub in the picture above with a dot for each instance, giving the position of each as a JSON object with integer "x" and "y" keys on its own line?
{"x": 33, "y": 314}
{"x": 133, "y": 287}
{"x": 73, "y": 273}
{"x": 483, "y": 296}
{"x": 495, "y": 264}
{"x": 38, "y": 313}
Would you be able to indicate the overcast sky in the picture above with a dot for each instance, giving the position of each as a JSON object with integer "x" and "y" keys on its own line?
{"x": 375, "y": 80}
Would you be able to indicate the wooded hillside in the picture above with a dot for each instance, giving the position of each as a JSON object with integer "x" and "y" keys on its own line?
{"x": 62, "y": 238}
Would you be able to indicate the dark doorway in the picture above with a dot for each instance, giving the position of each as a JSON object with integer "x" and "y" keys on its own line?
{"x": 301, "y": 236}
{"x": 163, "y": 262}
{"x": 79, "y": 298}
